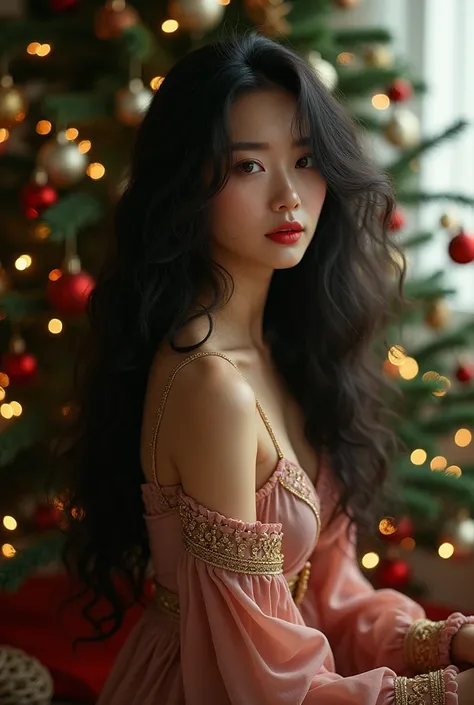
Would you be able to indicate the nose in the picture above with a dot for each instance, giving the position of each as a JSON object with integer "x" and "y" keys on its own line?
{"x": 285, "y": 198}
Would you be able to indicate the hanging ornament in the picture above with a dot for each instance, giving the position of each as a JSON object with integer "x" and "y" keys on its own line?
{"x": 403, "y": 130}
{"x": 68, "y": 295}
{"x": 13, "y": 105}
{"x": 346, "y": 4}
{"x": 449, "y": 221}
{"x": 20, "y": 366}
{"x": 461, "y": 248}
{"x": 114, "y": 18}
{"x": 131, "y": 103}
{"x": 269, "y": 16}
{"x": 393, "y": 574}
{"x": 460, "y": 533}
{"x": 400, "y": 90}
{"x": 326, "y": 71}
{"x": 438, "y": 314}
{"x": 397, "y": 220}
{"x": 62, "y": 161}
{"x": 196, "y": 15}
{"x": 379, "y": 56}
{"x": 37, "y": 195}
{"x": 465, "y": 373}
{"x": 46, "y": 517}
{"x": 62, "y": 5}
{"x": 23, "y": 679}
{"x": 394, "y": 531}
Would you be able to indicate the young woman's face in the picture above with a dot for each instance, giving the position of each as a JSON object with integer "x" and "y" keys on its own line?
{"x": 273, "y": 182}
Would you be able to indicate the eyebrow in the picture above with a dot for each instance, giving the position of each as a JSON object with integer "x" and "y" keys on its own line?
{"x": 243, "y": 146}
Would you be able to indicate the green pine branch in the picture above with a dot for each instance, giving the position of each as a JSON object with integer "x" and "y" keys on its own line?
{"x": 18, "y": 306}
{"x": 355, "y": 37}
{"x": 420, "y": 503}
{"x": 447, "y": 420}
{"x": 14, "y": 571}
{"x": 353, "y": 83}
{"x": 414, "y": 197}
{"x": 458, "y": 338}
{"x": 20, "y": 433}
{"x": 67, "y": 108}
{"x": 416, "y": 239}
{"x": 73, "y": 213}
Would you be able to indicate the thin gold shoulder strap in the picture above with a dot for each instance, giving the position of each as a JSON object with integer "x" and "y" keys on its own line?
{"x": 166, "y": 391}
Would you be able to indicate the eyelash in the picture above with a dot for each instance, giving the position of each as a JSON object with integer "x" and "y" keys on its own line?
{"x": 252, "y": 161}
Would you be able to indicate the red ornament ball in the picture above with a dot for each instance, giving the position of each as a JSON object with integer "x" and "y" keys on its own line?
{"x": 62, "y": 5}
{"x": 404, "y": 529}
{"x": 393, "y": 574}
{"x": 397, "y": 220}
{"x": 70, "y": 292}
{"x": 20, "y": 367}
{"x": 35, "y": 198}
{"x": 46, "y": 517}
{"x": 114, "y": 18}
{"x": 465, "y": 373}
{"x": 461, "y": 248}
{"x": 400, "y": 90}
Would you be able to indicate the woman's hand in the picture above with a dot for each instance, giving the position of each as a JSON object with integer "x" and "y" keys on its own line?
{"x": 462, "y": 646}
{"x": 465, "y": 682}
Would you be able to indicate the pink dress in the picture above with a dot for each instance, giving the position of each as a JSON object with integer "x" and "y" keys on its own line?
{"x": 274, "y": 612}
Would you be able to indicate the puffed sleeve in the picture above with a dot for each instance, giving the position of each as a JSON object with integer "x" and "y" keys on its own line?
{"x": 244, "y": 642}
{"x": 369, "y": 628}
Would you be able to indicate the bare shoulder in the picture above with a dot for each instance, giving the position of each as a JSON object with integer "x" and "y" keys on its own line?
{"x": 214, "y": 445}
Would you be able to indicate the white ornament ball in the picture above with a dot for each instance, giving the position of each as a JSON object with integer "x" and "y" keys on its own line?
{"x": 23, "y": 679}
{"x": 403, "y": 130}
{"x": 132, "y": 102}
{"x": 326, "y": 71}
{"x": 61, "y": 159}
{"x": 461, "y": 534}
{"x": 197, "y": 15}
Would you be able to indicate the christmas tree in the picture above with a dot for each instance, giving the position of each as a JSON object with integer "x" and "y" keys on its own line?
{"x": 76, "y": 79}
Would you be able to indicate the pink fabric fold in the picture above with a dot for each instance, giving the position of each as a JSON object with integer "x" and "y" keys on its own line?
{"x": 452, "y": 625}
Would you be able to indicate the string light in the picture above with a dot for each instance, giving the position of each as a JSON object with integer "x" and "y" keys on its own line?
{"x": 438, "y": 463}
{"x": 169, "y": 26}
{"x": 4, "y": 379}
{"x": 42, "y": 231}
{"x": 8, "y": 550}
{"x": 32, "y": 48}
{"x": 6, "y": 411}
{"x": 409, "y": 368}
{"x": 54, "y": 275}
{"x": 9, "y": 523}
{"x": 445, "y": 386}
{"x": 408, "y": 543}
{"x": 418, "y": 457}
{"x": 71, "y": 133}
{"x": 23, "y": 262}
{"x": 16, "y": 408}
{"x": 387, "y": 526}
{"x": 380, "y": 101}
{"x": 345, "y": 58}
{"x": 2, "y": 394}
{"x": 43, "y": 127}
{"x": 43, "y": 50}
{"x": 55, "y": 326}
{"x": 156, "y": 82}
{"x": 84, "y": 146}
{"x": 454, "y": 471}
{"x": 4, "y": 134}
{"x": 463, "y": 437}
{"x": 397, "y": 355}
{"x": 446, "y": 550}
{"x": 95, "y": 170}
{"x": 370, "y": 560}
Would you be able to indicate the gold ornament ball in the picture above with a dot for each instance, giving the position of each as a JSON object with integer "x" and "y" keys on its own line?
{"x": 403, "y": 130}
{"x": 114, "y": 18}
{"x": 449, "y": 221}
{"x": 197, "y": 15}
{"x": 325, "y": 70}
{"x": 61, "y": 159}
{"x": 131, "y": 103}
{"x": 378, "y": 56}
{"x": 13, "y": 104}
{"x": 438, "y": 314}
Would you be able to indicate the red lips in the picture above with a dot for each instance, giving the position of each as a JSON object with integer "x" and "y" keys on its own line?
{"x": 287, "y": 226}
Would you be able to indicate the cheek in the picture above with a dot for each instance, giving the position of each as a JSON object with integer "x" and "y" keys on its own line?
{"x": 233, "y": 205}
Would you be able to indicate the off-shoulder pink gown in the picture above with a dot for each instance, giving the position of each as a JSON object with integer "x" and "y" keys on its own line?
{"x": 274, "y": 612}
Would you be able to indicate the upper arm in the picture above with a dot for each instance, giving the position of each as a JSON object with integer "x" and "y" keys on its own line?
{"x": 214, "y": 445}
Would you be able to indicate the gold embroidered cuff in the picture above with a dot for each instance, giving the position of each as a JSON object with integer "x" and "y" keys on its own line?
{"x": 225, "y": 546}
{"x": 421, "y": 645}
{"x": 427, "y": 689}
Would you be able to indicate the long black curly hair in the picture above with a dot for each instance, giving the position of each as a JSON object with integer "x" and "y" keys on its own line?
{"x": 160, "y": 259}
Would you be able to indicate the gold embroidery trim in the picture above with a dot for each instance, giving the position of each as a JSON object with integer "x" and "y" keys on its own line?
{"x": 168, "y": 601}
{"x": 239, "y": 550}
{"x": 421, "y": 644}
{"x": 427, "y": 689}
{"x": 294, "y": 481}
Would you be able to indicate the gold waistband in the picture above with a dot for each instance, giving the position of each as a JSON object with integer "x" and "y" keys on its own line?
{"x": 168, "y": 601}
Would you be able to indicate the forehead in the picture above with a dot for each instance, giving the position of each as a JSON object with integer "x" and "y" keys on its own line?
{"x": 266, "y": 115}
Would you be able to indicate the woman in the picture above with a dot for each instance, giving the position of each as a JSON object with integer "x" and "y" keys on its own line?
{"x": 233, "y": 394}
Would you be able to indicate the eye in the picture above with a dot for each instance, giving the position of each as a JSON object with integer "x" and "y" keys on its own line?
{"x": 247, "y": 166}
{"x": 308, "y": 161}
